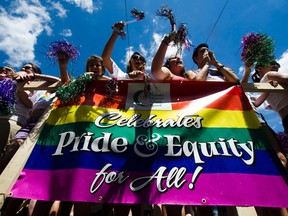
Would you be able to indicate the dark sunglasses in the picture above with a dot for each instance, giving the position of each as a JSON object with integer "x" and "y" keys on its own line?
{"x": 97, "y": 65}
{"x": 28, "y": 67}
{"x": 175, "y": 58}
{"x": 137, "y": 57}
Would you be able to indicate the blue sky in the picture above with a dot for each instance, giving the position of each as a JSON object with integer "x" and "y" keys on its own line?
{"x": 27, "y": 27}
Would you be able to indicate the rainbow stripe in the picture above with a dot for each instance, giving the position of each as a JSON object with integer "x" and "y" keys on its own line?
{"x": 209, "y": 146}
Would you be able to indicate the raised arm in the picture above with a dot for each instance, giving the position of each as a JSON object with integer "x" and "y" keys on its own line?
{"x": 107, "y": 51}
{"x": 276, "y": 76}
{"x": 24, "y": 76}
{"x": 227, "y": 72}
{"x": 247, "y": 72}
{"x": 63, "y": 61}
{"x": 159, "y": 72}
{"x": 47, "y": 78}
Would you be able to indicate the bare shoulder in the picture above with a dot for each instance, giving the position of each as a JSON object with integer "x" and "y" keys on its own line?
{"x": 190, "y": 74}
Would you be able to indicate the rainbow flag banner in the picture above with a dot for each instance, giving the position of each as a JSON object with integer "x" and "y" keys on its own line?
{"x": 187, "y": 142}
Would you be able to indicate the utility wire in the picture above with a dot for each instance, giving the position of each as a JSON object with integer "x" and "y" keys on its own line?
{"x": 214, "y": 24}
{"x": 128, "y": 40}
{"x": 216, "y": 21}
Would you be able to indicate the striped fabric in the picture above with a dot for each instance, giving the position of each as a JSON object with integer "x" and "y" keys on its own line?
{"x": 194, "y": 143}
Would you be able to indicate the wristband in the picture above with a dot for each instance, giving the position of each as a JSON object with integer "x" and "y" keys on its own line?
{"x": 219, "y": 67}
{"x": 119, "y": 32}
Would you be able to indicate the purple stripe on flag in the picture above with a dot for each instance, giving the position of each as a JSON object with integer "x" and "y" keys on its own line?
{"x": 209, "y": 189}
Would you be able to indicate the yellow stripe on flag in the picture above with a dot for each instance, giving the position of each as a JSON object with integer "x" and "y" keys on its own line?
{"x": 212, "y": 118}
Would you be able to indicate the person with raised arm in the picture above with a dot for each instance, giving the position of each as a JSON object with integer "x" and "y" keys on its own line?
{"x": 136, "y": 65}
{"x": 173, "y": 68}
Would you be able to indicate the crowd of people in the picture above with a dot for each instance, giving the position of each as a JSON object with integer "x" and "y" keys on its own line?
{"x": 30, "y": 106}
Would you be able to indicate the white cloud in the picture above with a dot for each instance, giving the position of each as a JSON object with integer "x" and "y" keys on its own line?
{"x": 155, "y": 21}
{"x": 66, "y": 33}
{"x": 62, "y": 12}
{"x": 241, "y": 70}
{"x": 157, "y": 39}
{"x": 283, "y": 61}
{"x": 146, "y": 30}
{"x": 129, "y": 52}
{"x": 86, "y": 5}
{"x": 143, "y": 51}
{"x": 20, "y": 28}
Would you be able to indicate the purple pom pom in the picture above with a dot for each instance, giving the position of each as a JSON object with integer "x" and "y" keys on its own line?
{"x": 257, "y": 47}
{"x": 62, "y": 47}
{"x": 7, "y": 96}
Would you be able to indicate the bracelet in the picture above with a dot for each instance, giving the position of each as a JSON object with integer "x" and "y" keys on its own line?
{"x": 119, "y": 32}
{"x": 219, "y": 67}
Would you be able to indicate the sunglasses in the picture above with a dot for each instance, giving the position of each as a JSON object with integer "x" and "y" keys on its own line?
{"x": 138, "y": 57}
{"x": 175, "y": 59}
{"x": 28, "y": 67}
{"x": 96, "y": 65}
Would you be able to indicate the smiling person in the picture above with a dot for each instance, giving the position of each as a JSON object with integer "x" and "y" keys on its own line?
{"x": 136, "y": 69}
{"x": 136, "y": 65}
{"x": 27, "y": 107}
{"x": 31, "y": 72}
{"x": 6, "y": 72}
{"x": 95, "y": 65}
{"x": 30, "y": 106}
{"x": 12, "y": 122}
{"x": 173, "y": 68}
{"x": 95, "y": 68}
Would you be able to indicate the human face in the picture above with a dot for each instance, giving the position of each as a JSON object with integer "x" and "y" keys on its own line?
{"x": 176, "y": 65}
{"x": 202, "y": 54}
{"x": 95, "y": 66}
{"x": 7, "y": 71}
{"x": 137, "y": 62}
{"x": 28, "y": 69}
{"x": 262, "y": 70}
